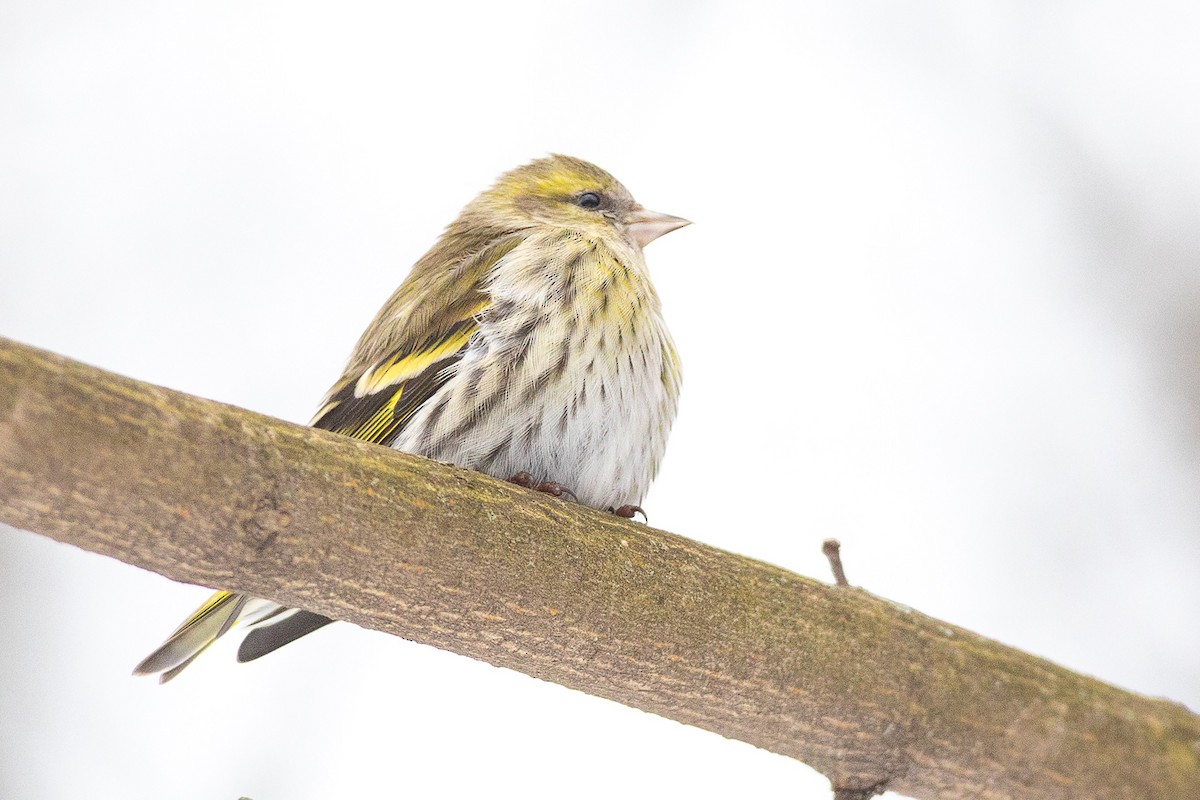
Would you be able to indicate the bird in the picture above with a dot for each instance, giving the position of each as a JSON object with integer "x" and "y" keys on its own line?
{"x": 528, "y": 344}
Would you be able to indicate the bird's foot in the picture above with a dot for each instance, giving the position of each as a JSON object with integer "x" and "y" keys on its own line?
{"x": 546, "y": 487}
{"x": 628, "y": 512}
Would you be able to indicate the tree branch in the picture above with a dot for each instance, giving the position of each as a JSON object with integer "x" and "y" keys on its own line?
{"x": 873, "y": 695}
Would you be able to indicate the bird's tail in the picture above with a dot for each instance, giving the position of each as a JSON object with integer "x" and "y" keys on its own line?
{"x": 220, "y": 613}
{"x": 269, "y": 637}
{"x": 209, "y": 622}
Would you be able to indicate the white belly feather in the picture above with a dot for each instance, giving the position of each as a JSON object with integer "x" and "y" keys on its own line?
{"x": 572, "y": 378}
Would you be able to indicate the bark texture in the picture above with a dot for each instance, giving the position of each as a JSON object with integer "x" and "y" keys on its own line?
{"x": 874, "y": 695}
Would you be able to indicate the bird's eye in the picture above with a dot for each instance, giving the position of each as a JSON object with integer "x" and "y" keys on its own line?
{"x": 589, "y": 200}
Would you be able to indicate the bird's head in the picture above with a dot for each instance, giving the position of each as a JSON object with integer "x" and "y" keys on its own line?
{"x": 571, "y": 193}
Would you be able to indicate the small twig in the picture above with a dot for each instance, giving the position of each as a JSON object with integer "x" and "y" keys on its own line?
{"x": 833, "y": 551}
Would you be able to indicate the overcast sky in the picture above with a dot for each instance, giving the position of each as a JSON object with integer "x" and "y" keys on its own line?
{"x": 941, "y": 301}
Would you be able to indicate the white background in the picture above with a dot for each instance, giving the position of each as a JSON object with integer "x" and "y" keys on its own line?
{"x": 941, "y": 300}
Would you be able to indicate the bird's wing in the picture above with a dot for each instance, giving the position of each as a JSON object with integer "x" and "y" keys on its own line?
{"x": 377, "y": 404}
{"x": 406, "y": 354}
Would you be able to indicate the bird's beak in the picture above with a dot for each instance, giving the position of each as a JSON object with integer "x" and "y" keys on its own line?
{"x": 645, "y": 226}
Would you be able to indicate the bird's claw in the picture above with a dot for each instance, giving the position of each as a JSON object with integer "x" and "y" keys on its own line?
{"x": 555, "y": 490}
{"x": 551, "y": 488}
{"x": 628, "y": 511}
